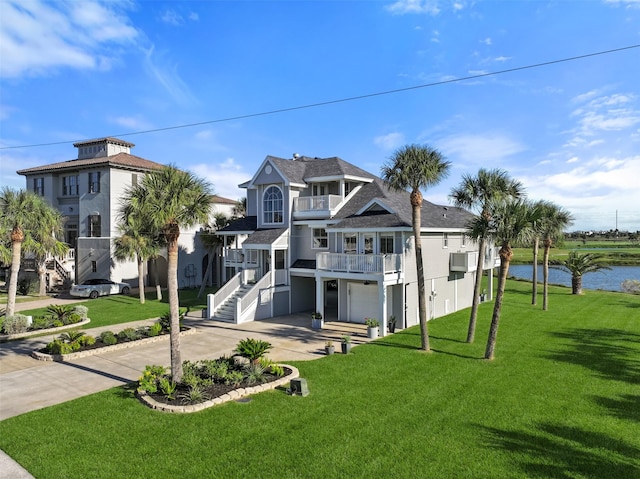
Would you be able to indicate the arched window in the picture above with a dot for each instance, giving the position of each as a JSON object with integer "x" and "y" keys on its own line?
{"x": 272, "y": 205}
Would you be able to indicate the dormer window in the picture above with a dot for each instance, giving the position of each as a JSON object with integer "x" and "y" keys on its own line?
{"x": 272, "y": 205}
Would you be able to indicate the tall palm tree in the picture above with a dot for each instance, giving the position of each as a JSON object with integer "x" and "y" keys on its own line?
{"x": 477, "y": 193}
{"x": 212, "y": 242}
{"x": 415, "y": 167}
{"x": 20, "y": 213}
{"x": 43, "y": 242}
{"x": 511, "y": 223}
{"x": 170, "y": 199}
{"x": 553, "y": 221}
{"x": 536, "y": 249}
{"x": 578, "y": 265}
{"x": 240, "y": 208}
{"x": 135, "y": 242}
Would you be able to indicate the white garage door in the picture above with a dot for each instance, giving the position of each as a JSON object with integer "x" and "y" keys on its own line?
{"x": 363, "y": 301}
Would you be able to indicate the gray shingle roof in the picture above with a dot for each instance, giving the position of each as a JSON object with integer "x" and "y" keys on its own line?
{"x": 248, "y": 223}
{"x": 264, "y": 236}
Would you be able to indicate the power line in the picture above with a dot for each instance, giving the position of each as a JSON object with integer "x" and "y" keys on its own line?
{"x": 343, "y": 100}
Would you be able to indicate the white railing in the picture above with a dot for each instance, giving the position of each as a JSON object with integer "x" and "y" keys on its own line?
{"x": 250, "y": 297}
{"x": 359, "y": 263}
{"x": 233, "y": 256}
{"x": 214, "y": 301}
{"x": 316, "y": 203}
{"x": 281, "y": 276}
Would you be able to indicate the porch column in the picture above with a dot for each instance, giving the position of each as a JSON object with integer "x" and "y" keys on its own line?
{"x": 320, "y": 296}
{"x": 382, "y": 306}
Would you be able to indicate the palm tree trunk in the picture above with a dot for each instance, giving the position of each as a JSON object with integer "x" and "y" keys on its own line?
{"x": 476, "y": 292}
{"x": 497, "y": 307}
{"x": 156, "y": 279}
{"x": 42, "y": 280}
{"x": 174, "y": 309}
{"x": 141, "y": 279}
{"x": 576, "y": 284}
{"x": 545, "y": 276}
{"x": 16, "y": 248}
{"x": 207, "y": 273}
{"x": 534, "y": 288}
{"x": 422, "y": 302}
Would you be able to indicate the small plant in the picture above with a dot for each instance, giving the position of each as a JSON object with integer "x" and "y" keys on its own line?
{"x": 16, "y": 324}
{"x": 215, "y": 369}
{"x": 41, "y": 323}
{"x": 87, "y": 340}
{"x": 108, "y": 338}
{"x": 254, "y": 373}
{"x": 61, "y": 312}
{"x": 71, "y": 336}
{"x": 316, "y": 315}
{"x": 128, "y": 334}
{"x": 26, "y": 286}
{"x": 165, "y": 320}
{"x": 391, "y": 324}
{"x": 252, "y": 349}
{"x": 277, "y": 370}
{"x": 81, "y": 311}
{"x": 371, "y": 322}
{"x": 167, "y": 387}
{"x": 155, "y": 329}
{"x": 194, "y": 394}
{"x": 58, "y": 347}
{"x": 328, "y": 344}
{"x": 150, "y": 377}
{"x": 234, "y": 378}
{"x": 346, "y": 339}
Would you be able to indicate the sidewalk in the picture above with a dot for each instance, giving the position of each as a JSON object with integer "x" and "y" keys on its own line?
{"x": 23, "y": 379}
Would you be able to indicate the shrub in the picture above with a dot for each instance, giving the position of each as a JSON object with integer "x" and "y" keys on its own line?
{"x": 18, "y": 323}
{"x": 26, "y": 286}
{"x": 81, "y": 311}
{"x": 87, "y": 340}
{"x": 277, "y": 370}
{"x": 58, "y": 347}
{"x": 71, "y": 336}
{"x": 57, "y": 323}
{"x": 108, "y": 338}
{"x": 254, "y": 373}
{"x": 252, "y": 349}
{"x": 41, "y": 322}
{"x": 167, "y": 386}
{"x": 128, "y": 334}
{"x": 72, "y": 319}
{"x": 194, "y": 394}
{"x": 60, "y": 312}
{"x": 165, "y": 320}
{"x": 150, "y": 378}
{"x": 155, "y": 329}
{"x": 233, "y": 378}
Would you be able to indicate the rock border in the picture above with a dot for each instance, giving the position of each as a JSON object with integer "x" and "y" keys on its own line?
{"x": 43, "y": 332}
{"x": 230, "y": 396}
{"x": 106, "y": 349}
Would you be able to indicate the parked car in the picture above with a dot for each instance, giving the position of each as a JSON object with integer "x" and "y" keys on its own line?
{"x": 92, "y": 288}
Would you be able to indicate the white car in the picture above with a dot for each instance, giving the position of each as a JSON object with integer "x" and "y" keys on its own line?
{"x": 92, "y": 288}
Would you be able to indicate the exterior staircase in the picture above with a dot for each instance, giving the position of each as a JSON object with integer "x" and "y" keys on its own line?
{"x": 227, "y": 312}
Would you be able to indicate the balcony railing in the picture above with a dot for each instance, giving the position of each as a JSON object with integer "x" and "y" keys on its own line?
{"x": 359, "y": 263}
{"x": 315, "y": 205}
{"x": 233, "y": 256}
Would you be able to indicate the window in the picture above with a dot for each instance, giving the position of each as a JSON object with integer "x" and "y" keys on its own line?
{"x": 70, "y": 186}
{"x": 386, "y": 244}
{"x": 272, "y": 205}
{"x": 445, "y": 240}
{"x": 95, "y": 226}
{"x": 94, "y": 182}
{"x": 280, "y": 255}
{"x": 368, "y": 243}
{"x": 319, "y": 190}
{"x": 350, "y": 243}
{"x": 320, "y": 239}
{"x": 464, "y": 240}
{"x": 38, "y": 186}
{"x": 94, "y": 266}
{"x": 251, "y": 256}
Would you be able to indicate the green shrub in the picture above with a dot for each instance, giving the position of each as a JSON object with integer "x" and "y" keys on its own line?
{"x": 277, "y": 370}
{"x": 41, "y": 322}
{"x": 81, "y": 311}
{"x": 234, "y": 378}
{"x": 56, "y": 323}
{"x": 150, "y": 378}
{"x": 254, "y": 373}
{"x": 58, "y": 347}
{"x": 215, "y": 369}
{"x": 128, "y": 334}
{"x": 108, "y": 338}
{"x": 18, "y": 323}
{"x": 26, "y": 286}
{"x": 155, "y": 329}
{"x": 167, "y": 387}
{"x": 87, "y": 340}
{"x": 195, "y": 394}
{"x": 71, "y": 336}
{"x": 61, "y": 312}
{"x": 72, "y": 319}
{"x": 252, "y": 349}
{"x": 165, "y": 320}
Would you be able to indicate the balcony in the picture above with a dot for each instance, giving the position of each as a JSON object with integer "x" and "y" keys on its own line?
{"x": 465, "y": 262}
{"x": 309, "y": 207}
{"x": 360, "y": 263}
{"x": 233, "y": 257}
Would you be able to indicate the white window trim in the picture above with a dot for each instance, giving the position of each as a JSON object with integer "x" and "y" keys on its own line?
{"x": 313, "y": 239}
{"x": 264, "y": 192}
{"x": 445, "y": 240}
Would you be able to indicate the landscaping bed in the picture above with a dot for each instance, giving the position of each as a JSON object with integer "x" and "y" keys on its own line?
{"x": 38, "y": 332}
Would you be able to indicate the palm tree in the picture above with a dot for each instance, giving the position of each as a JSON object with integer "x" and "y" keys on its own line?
{"x": 536, "y": 248}
{"x": 578, "y": 265}
{"x": 553, "y": 221}
{"x": 240, "y": 208}
{"x": 511, "y": 223}
{"x": 135, "y": 242}
{"x": 42, "y": 242}
{"x": 414, "y": 167}
{"x": 212, "y": 242}
{"x": 20, "y": 213}
{"x": 477, "y": 193}
{"x": 170, "y": 199}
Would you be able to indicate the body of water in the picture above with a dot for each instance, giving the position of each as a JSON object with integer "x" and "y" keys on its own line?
{"x": 608, "y": 280}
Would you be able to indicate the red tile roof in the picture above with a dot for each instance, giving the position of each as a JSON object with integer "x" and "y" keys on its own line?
{"x": 121, "y": 160}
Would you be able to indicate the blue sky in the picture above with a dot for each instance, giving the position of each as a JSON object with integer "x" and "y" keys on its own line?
{"x": 74, "y": 70}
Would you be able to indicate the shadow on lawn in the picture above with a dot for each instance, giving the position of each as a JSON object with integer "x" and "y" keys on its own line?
{"x": 563, "y": 451}
{"x": 610, "y": 353}
{"x": 626, "y": 406}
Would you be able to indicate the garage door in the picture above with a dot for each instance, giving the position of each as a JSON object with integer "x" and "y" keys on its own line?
{"x": 363, "y": 301}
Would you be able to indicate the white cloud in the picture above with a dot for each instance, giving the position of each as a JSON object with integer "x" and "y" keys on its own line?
{"x": 172, "y": 17}
{"x": 134, "y": 123}
{"x": 487, "y": 150}
{"x": 37, "y": 36}
{"x": 390, "y": 141}
{"x": 402, "y": 7}
{"x": 225, "y": 177}
{"x": 573, "y": 159}
{"x": 501, "y": 59}
{"x": 167, "y": 75}
{"x": 487, "y": 41}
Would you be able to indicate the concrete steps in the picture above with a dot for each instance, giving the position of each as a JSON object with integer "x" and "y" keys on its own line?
{"x": 227, "y": 312}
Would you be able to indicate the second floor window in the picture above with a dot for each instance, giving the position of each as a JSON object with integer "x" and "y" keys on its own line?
{"x": 350, "y": 243}
{"x": 272, "y": 205}
{"x": 70, "y": 186}
{"x": 95, "y": 226}
{"x": 38, "y": 186}
{"x": 445, "y": 240}
{"x": 320, "y": 239}
{"x": 386, "y": 244}
{"x": 94, "y": 182}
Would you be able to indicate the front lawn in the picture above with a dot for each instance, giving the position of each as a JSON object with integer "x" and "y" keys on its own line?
{"x": 117, "y": 309}
{"x": 561, "y": 399}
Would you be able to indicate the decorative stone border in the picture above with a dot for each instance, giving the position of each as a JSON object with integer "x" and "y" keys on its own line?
{"x": 43, "y": 332}
{"x": 106, "y": 349}
{"x": 230, "y": 396}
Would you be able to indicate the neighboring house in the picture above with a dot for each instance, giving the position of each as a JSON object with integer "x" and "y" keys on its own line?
{"x": 87, "y": 191}
{"x": 324, "y": 235}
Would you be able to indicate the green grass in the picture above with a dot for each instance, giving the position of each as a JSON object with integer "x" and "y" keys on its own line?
{"x": 613, "y": 254}
{"x": 117, "y": 309}
{"x": 561, "y": 399}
